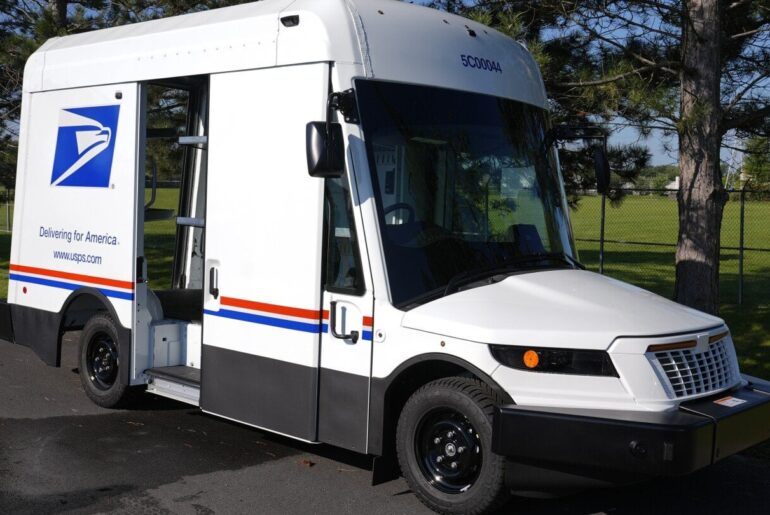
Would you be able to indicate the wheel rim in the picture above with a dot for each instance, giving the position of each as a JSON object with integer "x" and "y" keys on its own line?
{"x": 102, "y": 361}
{"x": 448, "y": 450}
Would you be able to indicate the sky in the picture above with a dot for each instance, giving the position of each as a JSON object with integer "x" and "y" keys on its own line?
{"x": 654, "y": 143}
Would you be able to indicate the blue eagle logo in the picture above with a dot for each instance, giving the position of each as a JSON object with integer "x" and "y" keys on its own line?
{"x": 85, "y": 145}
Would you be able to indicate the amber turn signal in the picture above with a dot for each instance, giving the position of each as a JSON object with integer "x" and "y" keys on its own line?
{"x": 689, "y": 344}
{"x": 531, "y": 359}
{"x": 718, "y": 337}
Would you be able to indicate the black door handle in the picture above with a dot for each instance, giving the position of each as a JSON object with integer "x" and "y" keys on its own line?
{"x": 214, "y": 282}
{"x": 353, "y": 336}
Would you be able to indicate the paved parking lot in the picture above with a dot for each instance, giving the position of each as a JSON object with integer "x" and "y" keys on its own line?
{"x": 59, "y": 453}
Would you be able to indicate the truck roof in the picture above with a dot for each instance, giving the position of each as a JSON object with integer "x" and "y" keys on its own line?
{"x": 390, "y": 40}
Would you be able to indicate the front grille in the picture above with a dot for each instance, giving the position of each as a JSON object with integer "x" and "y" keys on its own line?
{"x": 690, "y": 372}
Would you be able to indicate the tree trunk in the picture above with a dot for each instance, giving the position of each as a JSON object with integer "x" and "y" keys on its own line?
{"x": 701, "y": 194}
{"x": 60, "y": 11}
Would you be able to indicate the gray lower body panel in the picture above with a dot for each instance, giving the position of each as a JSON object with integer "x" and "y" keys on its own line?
{"x": 285, "y": 397}
{"x": 343, "y": 409}
{"x": 259, "y": 391}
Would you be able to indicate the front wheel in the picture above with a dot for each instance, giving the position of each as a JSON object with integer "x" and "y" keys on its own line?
{"x": 99, "y": 363}
{"x": 444, "y": 441}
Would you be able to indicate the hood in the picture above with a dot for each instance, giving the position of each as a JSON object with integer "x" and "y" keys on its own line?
{"x": 556, "y": 308}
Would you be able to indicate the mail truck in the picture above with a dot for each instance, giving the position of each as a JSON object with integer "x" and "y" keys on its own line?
{"x": 370, "y": 248}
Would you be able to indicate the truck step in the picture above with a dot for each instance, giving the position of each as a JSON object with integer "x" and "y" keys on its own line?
{"x": 179, "y": 383}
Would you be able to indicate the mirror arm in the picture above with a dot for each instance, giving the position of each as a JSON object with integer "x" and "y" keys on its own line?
{"x": 345, "y": 103}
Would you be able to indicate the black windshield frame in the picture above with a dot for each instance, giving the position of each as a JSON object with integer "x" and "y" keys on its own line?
{"x": 417, "y": 116}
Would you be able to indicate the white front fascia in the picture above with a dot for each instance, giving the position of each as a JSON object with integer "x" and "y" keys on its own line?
{"x": 568, "y": 309}
{"x": 573, "y": 309}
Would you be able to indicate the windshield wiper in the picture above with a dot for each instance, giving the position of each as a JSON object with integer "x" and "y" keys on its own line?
{"x": 567, "y": 259}
{"x": 506, "y": 268}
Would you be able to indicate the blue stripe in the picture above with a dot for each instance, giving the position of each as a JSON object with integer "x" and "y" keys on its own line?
{"x": 365, "y": 335}
{"x": 263, "y": 320}
{"x": 70, "y": 286}
{"x": 277, "y": 322}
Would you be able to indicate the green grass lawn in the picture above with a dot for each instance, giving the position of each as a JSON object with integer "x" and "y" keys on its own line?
{"x": 159, "y": 238}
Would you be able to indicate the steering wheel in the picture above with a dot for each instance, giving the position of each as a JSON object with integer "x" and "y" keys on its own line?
{"x": 401, "y": 205}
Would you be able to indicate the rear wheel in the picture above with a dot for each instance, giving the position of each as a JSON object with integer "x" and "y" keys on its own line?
{"x": 100, "y": 361}
{"x": 444, "y": 441}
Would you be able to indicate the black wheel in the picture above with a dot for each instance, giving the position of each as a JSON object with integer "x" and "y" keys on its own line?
{"x": 100, "y": 362}
{"x": 444, "y": 441}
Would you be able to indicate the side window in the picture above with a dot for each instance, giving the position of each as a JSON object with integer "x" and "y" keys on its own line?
{"x": 343, "y": 262}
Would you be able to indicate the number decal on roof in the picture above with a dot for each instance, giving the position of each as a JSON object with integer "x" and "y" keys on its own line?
{"x": 480, "y": 63}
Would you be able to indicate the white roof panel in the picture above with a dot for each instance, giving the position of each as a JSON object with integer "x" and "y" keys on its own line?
{"x": 389, "y": 39}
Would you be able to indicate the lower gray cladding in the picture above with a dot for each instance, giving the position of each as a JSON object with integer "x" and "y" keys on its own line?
{"x": 285, "y": 397}
{"x": 260, "y": 391}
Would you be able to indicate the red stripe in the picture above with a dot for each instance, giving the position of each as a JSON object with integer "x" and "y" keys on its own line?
{"x": 73, "y": 277}
{"x": 272, "y": 308}
{"x": 282, "y": 310}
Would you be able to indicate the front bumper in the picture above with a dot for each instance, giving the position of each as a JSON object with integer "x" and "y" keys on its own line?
{"x": 619, "y": 446}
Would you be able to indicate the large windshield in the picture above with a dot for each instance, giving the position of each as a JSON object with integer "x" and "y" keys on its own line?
{"x": 462, "y": 182}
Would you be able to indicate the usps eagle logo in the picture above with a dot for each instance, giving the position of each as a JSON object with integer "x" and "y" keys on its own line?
{"x": 85, "y": 144}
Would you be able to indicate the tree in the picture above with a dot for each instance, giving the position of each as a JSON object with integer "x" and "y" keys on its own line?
{"x": 694, "y": 69}
{"x": 756, "y": 164}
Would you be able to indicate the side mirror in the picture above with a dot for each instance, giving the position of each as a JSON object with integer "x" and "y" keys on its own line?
{"x": 325, "y": 149}
{"x": 602, "y": 169}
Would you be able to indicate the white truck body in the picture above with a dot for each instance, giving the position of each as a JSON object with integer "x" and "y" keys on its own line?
{"x": 262, "y": 342}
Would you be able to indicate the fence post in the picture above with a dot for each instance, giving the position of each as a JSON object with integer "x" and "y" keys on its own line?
{"x": 601, "y": 236}
{"x": 740, "y": 245}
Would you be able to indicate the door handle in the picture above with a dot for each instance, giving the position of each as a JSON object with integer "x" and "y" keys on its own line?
{"x": 214, "y": 282}
{"x": 353, "y": 336}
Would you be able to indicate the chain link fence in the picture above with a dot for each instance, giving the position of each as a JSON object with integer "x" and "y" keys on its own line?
{"x": 6, "y": 211}
{"x": 638, "y": 241}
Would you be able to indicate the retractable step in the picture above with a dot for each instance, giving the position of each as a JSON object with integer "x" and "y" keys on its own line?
{"x": 179, "y": 383}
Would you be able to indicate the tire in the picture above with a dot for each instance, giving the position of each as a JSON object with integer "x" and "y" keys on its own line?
{"x": 99, "y": 363}
{"x": 450, "y": 421}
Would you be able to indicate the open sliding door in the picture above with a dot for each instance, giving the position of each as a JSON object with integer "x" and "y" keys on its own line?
{"x": 262, "y": 310}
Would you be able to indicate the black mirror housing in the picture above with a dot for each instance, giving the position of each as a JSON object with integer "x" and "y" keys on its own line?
{"x": 596, "y": 138}
{"x": 325, "y": 150}
{"x": 602, "y": 169}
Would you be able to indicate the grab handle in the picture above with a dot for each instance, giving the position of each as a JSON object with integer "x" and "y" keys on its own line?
{"x": 214, "y": 282}
{"x": 353, "y": 336}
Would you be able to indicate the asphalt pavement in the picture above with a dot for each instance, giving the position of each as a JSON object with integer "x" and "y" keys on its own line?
{"x": 59, "y": 453}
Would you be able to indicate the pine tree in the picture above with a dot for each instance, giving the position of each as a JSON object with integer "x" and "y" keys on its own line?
{"x": 693, "y": 69}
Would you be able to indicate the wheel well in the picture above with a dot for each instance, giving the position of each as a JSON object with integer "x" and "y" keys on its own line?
{"x": 77, "y": 310}
{"x": 403, "y": 383}
{"x": 412, "y": 379}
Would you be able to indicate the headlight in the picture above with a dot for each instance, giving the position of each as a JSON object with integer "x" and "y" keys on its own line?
{"x": 555, "y": 361}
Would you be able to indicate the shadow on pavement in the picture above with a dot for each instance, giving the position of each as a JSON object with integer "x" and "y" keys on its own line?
{"x": 89, "y": 458}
